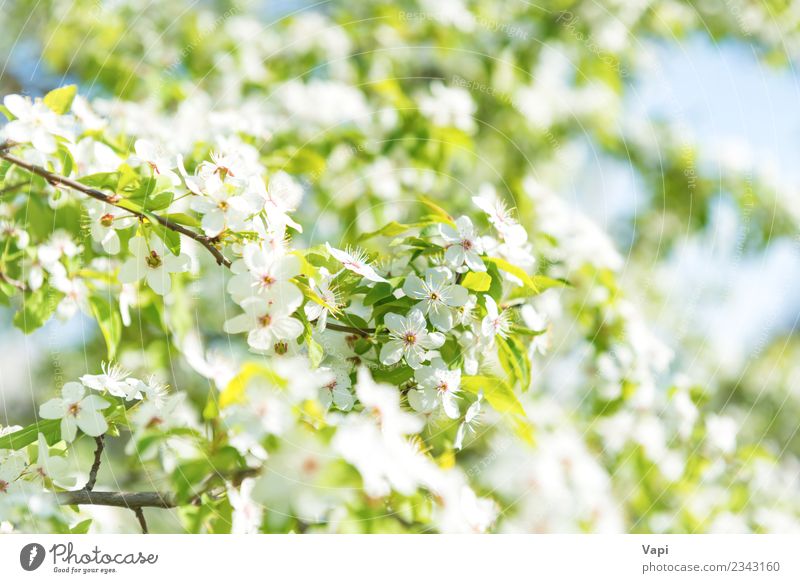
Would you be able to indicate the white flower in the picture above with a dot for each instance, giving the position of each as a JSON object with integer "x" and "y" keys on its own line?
{"x": 10, "y": 231}
{"x": 499, "y": 215}
{"x": 59, "y": 245}
{"x": 337, "y": 391}
{"x": 154, "y": 262}
{"x": 161, "y": 162}
{"x": 157, "y": 413}
{"x": 36, "y": 124}
{"x": 471, "y": 419}
{"x": 436, "y": 384}
{"x": 114, "y": 380}
{"x": 463, "y": 245}
{"x": 382, "y": 401}
{"x": 374, "y": 441}
{"x": 448, "y": 107}
{"x": 317, "y": 312}
{"x": 268, "y": 275}
{"x": 222, "y": 206}
{"x": 355, "y": 261}
{"x": 721, "y": 432}
{"x": 76, "y": 411}
{"x": 535, "y": 321}
{"x": 247, "y": 513}
{"x": 279, "y": 199}
{"x": 437, "y": 296}
{"x": 266, "y": 324}
{"x": 495, "y": 323}
{"x": 92, "y": 157}
{"x": 104, "y": 220}
{"x": 409, "y": 339}
{"x": 55, "y": 468}
{"x": 76, "y": 295}
{"x": 10, "y": 469}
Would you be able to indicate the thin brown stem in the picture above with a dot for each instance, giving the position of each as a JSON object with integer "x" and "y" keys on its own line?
{"x": 98, "y": 453}
{"x": 350, "y": 329}
{"x": 16, "y": 283}
{"x": 130, "y": 500}
{"x": 140, "y": 516}
{"x": 12, "y": 187}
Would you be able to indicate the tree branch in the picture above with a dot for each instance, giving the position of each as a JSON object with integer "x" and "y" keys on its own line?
{"x": 113, "y": 200}
{"x": 98, "y": 452}
{"x": 131, "y": 500}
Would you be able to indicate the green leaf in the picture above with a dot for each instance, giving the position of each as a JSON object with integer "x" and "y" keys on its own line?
{"x": 541, "y": 283}
{"x": 438, "y": 211}
{"x": 37, "y": 307}
{"x": 67, "y": 161}
{"x": 82, "y": 527}
{"x": 501, "y": 397}
{"x": 390, "y": 230}
{"x": 60, "y": 100}
{"x": 50, "y": 428}
{"x": 513, "y": 357}
{"x": 182, "y": 219}
{"x": 477, "y": 281}
{"x": 110, "y": 322}
{"x": 105, "y": 180}
{"x": 517, "y": 272}
{"x": 379, "y": 291}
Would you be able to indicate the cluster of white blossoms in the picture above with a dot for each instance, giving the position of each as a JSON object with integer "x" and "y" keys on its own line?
{"x": 383, "y": 345}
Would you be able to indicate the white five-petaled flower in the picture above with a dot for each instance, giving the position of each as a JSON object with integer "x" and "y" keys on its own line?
{"x": 499, "y": 215}
{"x": 436, "y": 384}
{"x": 268, "y": 325}
{"x": 317, "y": 312}
{"x": 337, "y": 390}
{"x": 104, "y": 220}
{"x": 153, "y": 261}
{"x": 53, "y": 468}
{"x": 280, "y": 198}
{"x": 355, "y": 261}
{"x": 437, "y": 296}
{"x": 496, "y": 322}
{"x": 266, "y": 273}
{"x": 409, "y": 339}
{"x": 471, "y": 419}
{"x": 115, "y": 380}
{"x": 463, "y": 245}
{"x": 161, "y": 162}
{"x": 76, "y": 411}
{"x": 222, "y": 205}
{"x": 36, "y": 124}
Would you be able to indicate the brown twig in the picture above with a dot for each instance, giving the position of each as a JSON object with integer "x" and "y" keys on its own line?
{"x": 131, "y": 500}
{"x": 7, "y": 189}
{"x": 98, "y": 452}
{"x": 351, "y": 329}
{"x": 16, "y": 283}
{"x": 114, "y": 200}
{"x": 140, "y": 515}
